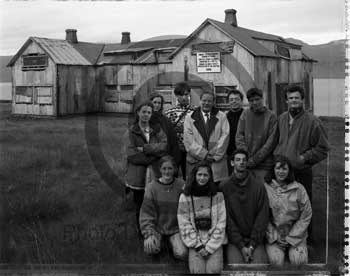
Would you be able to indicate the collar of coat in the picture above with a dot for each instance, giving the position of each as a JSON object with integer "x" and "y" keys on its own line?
{"x": 152, "y": 128}
{"x": 291, "y": 186}
{"x": 199, "y": 122}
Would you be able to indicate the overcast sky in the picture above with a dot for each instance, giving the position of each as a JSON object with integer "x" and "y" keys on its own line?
{"x": 313, "y": 21}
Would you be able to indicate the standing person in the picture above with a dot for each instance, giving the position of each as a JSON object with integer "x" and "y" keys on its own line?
{"x": 145, "y": 144}
{"x": 291, "y": 215}
{"x": 159, "y": 118}
{"x": 247, "y": 210}
{"x": 257, "y": 134}
{"x": 206, "y": 137}
{"x": 177, "y": 114}
{"x": 302, "y": 138}
{"x": 235, "y": 99}
{"x": 158, "y": 219}
{"x": 202, "y": 220}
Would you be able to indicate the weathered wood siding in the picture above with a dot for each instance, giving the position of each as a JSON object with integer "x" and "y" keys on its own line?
{"x": 78, "y": 89}
{"x": 237, "y": 68}
{"x": 128, "y": 85}
{"x": 34, "y": 79}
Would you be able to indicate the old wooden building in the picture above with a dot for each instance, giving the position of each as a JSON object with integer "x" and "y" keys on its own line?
{"x": 58, "y": 77}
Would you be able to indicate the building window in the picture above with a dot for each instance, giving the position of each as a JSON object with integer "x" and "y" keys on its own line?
{"x": 34, "y": 62}
{"x": 126, "y": 87}
{"x": 34, "y": 94}
{"x": 282, "y": 51}
{"x": 24, "y": 94}
{"x": 221, "y": 96}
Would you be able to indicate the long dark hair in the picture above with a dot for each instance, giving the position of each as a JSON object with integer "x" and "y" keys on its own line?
{"x": 283, "y": 160}
{"x": 191, "y": 182}
{"x": 157, "y": 95}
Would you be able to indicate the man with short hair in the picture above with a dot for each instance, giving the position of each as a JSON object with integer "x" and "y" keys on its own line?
{"x": 247, "y": 210}
{"x": 206, "y": 136}
{"x": 177, "y": 115}
{"x": 235, "y": 99}
{"x": 302, "y": 137}
{"x": 257, "y": 134}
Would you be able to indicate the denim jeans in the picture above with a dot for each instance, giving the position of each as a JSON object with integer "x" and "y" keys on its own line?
{"x": 297, "y": 255}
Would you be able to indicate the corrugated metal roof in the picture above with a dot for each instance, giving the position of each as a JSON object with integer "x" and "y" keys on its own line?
{"x": 61, "y": 51}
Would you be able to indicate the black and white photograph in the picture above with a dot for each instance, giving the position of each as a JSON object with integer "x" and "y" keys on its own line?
{"x": 173, "y": 137}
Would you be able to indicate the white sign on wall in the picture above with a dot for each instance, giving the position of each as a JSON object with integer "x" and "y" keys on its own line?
{"x": 208, "y": 62}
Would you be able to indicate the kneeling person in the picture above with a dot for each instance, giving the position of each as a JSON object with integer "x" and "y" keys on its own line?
{"x": 158, "y": 216}
{"x": 291, "y": 215}
{"x": 247, "y": 210}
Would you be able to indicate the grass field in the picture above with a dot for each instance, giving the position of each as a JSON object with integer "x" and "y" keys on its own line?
{"x": 62, "y": 201}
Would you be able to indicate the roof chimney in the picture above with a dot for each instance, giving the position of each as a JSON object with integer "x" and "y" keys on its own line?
{"x": 230, "y": 17}
{"x": 71, "y": 35}
{"x": 125, "y": 38}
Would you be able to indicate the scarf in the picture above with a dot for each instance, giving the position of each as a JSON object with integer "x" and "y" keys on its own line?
{"x": 295, "y": 111}
{"x": 201, "y": 190}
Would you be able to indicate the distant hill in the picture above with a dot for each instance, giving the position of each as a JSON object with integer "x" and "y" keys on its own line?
{"x": 330, "y": 57}
{"x": 5, "y": 72}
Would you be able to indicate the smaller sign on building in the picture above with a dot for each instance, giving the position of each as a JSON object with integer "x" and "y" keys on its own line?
{"x": 208, "y": 62}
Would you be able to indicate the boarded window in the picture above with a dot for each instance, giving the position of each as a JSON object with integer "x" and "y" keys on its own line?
{"x": 24, "y": 94}
{"x": 34, "y": 94}
{"x": 43, "y": 95}
{"x": 34, "y": 62}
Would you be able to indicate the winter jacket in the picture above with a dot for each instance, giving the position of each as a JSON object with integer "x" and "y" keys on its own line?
{"x": 290, "y": 212}
{"x": 158, "y": 213}
{"x": 168, "y": 128}
{"x": 257, "y": 134}
{"x": 199, "y": 143}
{"x": 306, "y": 136}
{"x": 233, "y": 119}
{"x": 193, "y": 238}
{"x": 137, "y": 162}
{"x": 247, "y": 210}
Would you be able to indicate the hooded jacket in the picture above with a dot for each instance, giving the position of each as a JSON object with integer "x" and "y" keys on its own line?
{"x": 290, "y": 212}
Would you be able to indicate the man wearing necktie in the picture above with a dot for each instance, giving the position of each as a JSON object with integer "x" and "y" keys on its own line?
{"x": 206, "y": 137}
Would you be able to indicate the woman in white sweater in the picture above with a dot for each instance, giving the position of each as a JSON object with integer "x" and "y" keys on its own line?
{"x": 202, "y": 220}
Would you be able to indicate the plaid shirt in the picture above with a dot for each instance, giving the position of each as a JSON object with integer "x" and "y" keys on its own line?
{"x": 174, "y": 114}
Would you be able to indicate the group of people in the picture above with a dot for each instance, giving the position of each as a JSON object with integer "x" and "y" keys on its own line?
{"x": 246, "y": 186}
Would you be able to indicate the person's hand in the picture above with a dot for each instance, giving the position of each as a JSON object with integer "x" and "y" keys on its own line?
{"x": 204, "y": 253}
{"x": 282, "y": 243}
{"x": 251, "y": 251}
{"x": 150, "y": 244}
{"x": 140, "y": 149}
{"x": 251, "y": 163}
{"x": 246, "y": 254}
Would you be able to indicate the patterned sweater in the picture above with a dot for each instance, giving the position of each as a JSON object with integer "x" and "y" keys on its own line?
{"x": 174, "y": 114}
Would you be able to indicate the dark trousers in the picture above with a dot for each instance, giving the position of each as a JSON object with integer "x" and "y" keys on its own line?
{"x": 304, "y": 177}
{"x": 138, "y": 199}
{"x": 182, "y": 164}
